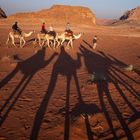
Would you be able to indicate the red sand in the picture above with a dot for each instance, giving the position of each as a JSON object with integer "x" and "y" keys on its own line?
{"x": 45, "y": 93}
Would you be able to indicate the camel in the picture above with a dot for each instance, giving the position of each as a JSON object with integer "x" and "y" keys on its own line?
{"x": 63, "y": 37}
{"x": 45, "y": 38}
{"x": 40, "y": 36}
{"x": 21, "y": 37}
{"x": 59, "y": 39}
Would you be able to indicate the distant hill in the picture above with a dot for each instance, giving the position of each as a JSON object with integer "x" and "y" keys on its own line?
{"x": 130, "y": 17}
{"x": 60, "y": 14}
{"x": 133, "y": 14}
{"x": 2, "y": 14}
{"x": 105, "y": 22}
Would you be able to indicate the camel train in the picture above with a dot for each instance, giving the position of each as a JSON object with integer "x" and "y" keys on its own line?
{"x": 59, "y": 39}
{"x": 44, "y": 38}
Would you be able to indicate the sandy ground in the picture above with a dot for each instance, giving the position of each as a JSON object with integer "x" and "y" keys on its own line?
{"x": 47, "y": 94}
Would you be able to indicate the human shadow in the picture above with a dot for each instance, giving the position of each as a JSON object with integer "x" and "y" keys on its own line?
{"x": 120, "y": 81}
{"x": 98, "y": 63}
{"x": 28, "y": 68}
{"x": 66, "y": 66}
{"x": 89, "y": 45}
{"x": 118, "y": 76}
{"x": 137, "y": 71}
{"x": 122, "y": 65}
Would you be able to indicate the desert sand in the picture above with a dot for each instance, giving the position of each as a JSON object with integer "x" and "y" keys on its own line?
{"x": 47, "y": 94}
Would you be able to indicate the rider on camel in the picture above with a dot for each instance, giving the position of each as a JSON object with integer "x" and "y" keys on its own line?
{"x": 68, "y": 30}
{"x": 43, "y": 29}
{"x": 16, "y": 29}
{"x": 51, "y": 31}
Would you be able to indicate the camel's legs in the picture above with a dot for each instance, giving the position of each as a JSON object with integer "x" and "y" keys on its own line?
{"x": 48, "y": 43}
{"x": 13, "y": 41}
{"x": 35, "y": 39}
{"x": 70, "y": 43}
{"x": 42, "y": 44}
{"x": 8, "y": 39}
{"x": 34, "y": 42}
{"x": 54, "y": 43}
{"x": 58, "y": 43}
{"x": 51, "y": 42}
{"x": 62, "y": 41}
{"x": 67, "y": 46}
{"x": 24, "y": 41}
{"x": 39, "y": 40}
{"x": 21, "y": 45}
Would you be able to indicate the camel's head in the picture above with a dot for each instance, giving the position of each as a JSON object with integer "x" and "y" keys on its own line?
{"x": 77, "y": 36}
{"x": 80, "y": 34}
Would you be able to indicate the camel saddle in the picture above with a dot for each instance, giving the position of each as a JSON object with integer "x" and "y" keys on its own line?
{"x": 52, "y": 33}
{"x": 17, "y": 32}
{"x": 68, "y": 33}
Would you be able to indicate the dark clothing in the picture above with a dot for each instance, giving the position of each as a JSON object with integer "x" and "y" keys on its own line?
{"x": 44, "y": 31}
{"x": 52, "y": 33}
{"x": 16, "y": 29}
{"x": 94, "y": 40}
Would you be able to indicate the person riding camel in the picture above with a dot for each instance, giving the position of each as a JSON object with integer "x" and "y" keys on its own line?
{"x": 43, "y": 29}
{"x": 51, "y": 31}
{"x": 16, "y": 29}
{"x": 68, "y": 30}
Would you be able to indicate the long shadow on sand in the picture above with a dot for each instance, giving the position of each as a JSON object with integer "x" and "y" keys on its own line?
{"x": 28, "y": 68}
{"x": 137, "y": 70}
{"x": 66, "y": 66}
{"x": 122, "y": 64}
{"x": 89, "y": 45}
{"x": 99, "y": 63}
{"x": 85, "y": 110}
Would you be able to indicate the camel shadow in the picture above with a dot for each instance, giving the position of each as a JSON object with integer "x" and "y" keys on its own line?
{"x": 28, "y": 68}
{"x": 65, "y": 66}
{"x": 100, "y": 63}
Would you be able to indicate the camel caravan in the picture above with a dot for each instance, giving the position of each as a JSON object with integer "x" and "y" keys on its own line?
{"x": 44, "y": 38}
